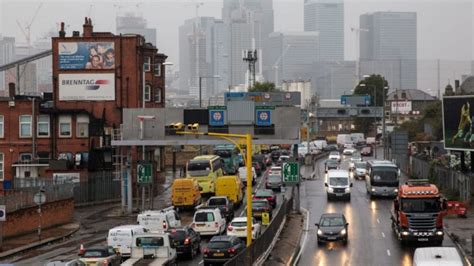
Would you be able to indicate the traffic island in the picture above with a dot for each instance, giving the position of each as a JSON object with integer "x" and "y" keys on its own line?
{"x": 288, "y": 242}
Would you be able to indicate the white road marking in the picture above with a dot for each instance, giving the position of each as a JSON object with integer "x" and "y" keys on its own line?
{"x": 383, "y": 235}
{"x": 378, "y": 221}
{"x": 201, "y": 262}
{"x": 388, "y": 252}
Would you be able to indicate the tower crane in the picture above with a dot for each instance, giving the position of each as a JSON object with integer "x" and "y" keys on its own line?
{"x": 26, "y": 29}
{"x": 275, "y": 66}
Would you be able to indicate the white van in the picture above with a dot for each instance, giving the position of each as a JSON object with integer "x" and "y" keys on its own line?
{"x": 208, "y": 222}
{"x": 121, "y": 238}
{"x": 343, "y": 140}
{"x": 448, "y": 256}
{"x": 338, "y": 184}
{"x": 358, "y": 138}
{"x": 160, "y": 220}
{"x": 320, "y": 144}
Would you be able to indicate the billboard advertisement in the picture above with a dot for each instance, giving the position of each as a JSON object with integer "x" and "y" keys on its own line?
{"x": 87, "y": 87}
{"x": 401, "y": 107}
{"x": 86, "y": 55}
{"x": 458, "y": 118}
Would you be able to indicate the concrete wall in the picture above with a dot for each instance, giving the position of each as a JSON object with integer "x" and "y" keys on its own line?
{"x": 26, "y": 220}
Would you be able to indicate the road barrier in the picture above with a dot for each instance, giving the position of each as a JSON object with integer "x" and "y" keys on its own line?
{"x": 258, "y": 247}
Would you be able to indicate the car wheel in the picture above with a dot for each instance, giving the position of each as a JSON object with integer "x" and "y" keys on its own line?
{"x": 320, "y": 242}
{"x": 349, "y": 198}
{"x": 345, "y": 241}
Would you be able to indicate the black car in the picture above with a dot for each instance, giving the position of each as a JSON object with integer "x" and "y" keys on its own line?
{"x": 221, "y": 249}
{"x": 260, "y": 159}
{"x": 332, "y": 227}
{"x": 258, "y": 168}
{"x": 331, "y": 165}
{"x": 330, "y": 147}
{"x": 186, "y": 241}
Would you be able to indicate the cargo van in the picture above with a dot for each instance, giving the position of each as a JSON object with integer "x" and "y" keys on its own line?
{"x": 121, "y": 237}
{"x": 230, "y": 186}
{"x": 343, "y": 140}
{"x": 159, "y": 220}
{"x": 428, "y": 256}
{"x": 185, "y": 193}
{"x": 338, "y": 184}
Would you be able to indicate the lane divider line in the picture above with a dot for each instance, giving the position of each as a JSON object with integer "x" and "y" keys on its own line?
{"x": 388, "y": 252}
{"x": 383, "y": 235}
{"x": 378, "y": 221}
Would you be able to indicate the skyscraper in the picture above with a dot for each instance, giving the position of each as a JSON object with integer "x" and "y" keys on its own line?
{"x": 131, "y": 23}
{"x": 390, "y": 41}
{"x": 250, "y": 23}
{"x": 7, "y": 55}
{"x": 327, "y": 18}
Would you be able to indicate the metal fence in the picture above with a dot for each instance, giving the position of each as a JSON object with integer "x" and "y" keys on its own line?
{"x": 101, "y": 187}
{"x": 444, "y": 177}
{"x": 260, "y": 245}
{"x": 23, "y": 197}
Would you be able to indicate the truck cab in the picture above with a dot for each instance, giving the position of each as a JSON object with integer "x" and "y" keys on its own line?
{"x": 417, "y": 214}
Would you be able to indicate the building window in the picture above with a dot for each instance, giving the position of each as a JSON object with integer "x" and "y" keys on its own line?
{"x": 157, "y": 70}
{"x": 25, "y": 126}
{"x": 157, "y": 95}
{"x": 147, "y": 93}
{"x": 1, "y": 126}
{"x": 147, "y": 64}
{"x": 43, "y": 126}
{"x": 26, "y": 157}
{"x": 65, "y": 126}
{"x": 82, "y": 126}
{"x": 1, "y": 166}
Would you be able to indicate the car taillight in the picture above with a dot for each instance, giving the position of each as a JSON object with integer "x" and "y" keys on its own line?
{"x": 193, "y": 225}
{"x": 230, "y": 228}
{"x": 231, "y": 250}
{"x": 205, "y": 251}
{"x": 187, "y": 241}
{"x": 164, "y": 225}
{"x": 216, "y": 224}
{"x": 270, "y": 199}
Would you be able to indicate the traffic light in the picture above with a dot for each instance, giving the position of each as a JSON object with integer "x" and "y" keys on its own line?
{"x": 178, "y": 126}
{"x": 170, "y": 130}
{"x": 193, "y": 127}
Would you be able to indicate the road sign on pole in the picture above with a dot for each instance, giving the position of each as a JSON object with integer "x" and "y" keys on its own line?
{"x": 291, "y": 173}
{"x": 144, "y": 173}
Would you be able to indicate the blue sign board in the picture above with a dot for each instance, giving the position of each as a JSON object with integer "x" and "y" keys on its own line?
{"x": 263, "y": 117}
{"x": 216, "y": 117}
{"x": 355, "y": 100}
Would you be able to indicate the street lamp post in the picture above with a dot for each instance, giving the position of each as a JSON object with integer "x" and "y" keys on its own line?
{"x": 375, "y": 115}
{"x": 200, "y": 87}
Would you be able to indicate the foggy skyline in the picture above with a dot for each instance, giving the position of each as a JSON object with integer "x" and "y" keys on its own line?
{"x": 445, "y": 28}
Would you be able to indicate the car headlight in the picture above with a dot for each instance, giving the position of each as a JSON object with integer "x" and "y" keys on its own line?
{"x": 330, "y": 189}
{"x": 439, "y": 233}
{"x": 405, "y": 233}
{"x": 343, "y": 232}
{"x": 373, "y": 189}
{"x": 320, "y": 233}
{"x": 348, "y": 190}
{"x": 395, "y": 190}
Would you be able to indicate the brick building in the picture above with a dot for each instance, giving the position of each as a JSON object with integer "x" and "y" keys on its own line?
{"x": 95, "y": 76}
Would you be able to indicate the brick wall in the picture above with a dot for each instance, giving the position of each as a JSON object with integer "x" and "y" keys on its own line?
{"x": 26, "y": 220}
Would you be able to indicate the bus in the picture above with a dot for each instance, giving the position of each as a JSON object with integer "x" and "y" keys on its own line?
{"x": 206, "y": 169}
{"x": 382, "y": 178}
{"x": 230, "y": 156}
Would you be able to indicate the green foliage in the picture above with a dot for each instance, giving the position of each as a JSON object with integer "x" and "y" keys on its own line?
{"x": 430, "y": 115}
{"x": 263, "y": 87}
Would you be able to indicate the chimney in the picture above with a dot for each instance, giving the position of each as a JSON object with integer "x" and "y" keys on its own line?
{"x": 88, "y": 29}
{"x": 62, "y": 33}
{"x": 11, "y": 90}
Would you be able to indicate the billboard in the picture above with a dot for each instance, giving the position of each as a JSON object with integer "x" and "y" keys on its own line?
{"x": 458, "y": 118}
{"x": 401, "y": 107}
{"x": 86, "y": 55}
{"x": 87, "y": 87}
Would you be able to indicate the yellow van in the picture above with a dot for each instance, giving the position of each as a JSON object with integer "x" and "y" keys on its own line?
{"x": 230, "y": 186}
{"x": 206, "y": 169}
{"x": 185, "y": 193}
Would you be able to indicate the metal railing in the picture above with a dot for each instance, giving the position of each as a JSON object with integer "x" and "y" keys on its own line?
{"x": 249, "y": 255}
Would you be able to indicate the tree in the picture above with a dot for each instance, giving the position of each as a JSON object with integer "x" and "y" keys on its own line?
{"x": 263, "y": 87}
{"x": 369, "y": 86}
{"x": 432, "y": 115}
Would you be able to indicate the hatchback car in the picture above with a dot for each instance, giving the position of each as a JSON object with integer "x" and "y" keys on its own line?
{"x": 360, "y": 169}
{"x": 221, "y": 249}
{"x": 267, "y": 194}
{"x": 261, "y": 206}
{"x": 331, "y": 165}
{"x": 238, "y": 228}
{"x": 186, "y": 241}
{"x": 274, "y": 181}
{"x": 332, "y": 227}
{"x": 348, "y": 151}
{"x": 335, "y": 155}
{"x": 366, "y": 151}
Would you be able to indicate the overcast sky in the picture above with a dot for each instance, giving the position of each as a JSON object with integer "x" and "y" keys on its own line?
{"x": 445, "y": 27}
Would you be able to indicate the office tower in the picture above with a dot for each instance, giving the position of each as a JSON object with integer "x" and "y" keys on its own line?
{"x": 7, "y": 55}
{"x": 327, "y": 18}
{"x": 390, "y": 41}
{"x": 293, "y": 55}
{"x": 131, "y": 23}
{"x": 333, "y": 78}
{"x": 250, "y": 23}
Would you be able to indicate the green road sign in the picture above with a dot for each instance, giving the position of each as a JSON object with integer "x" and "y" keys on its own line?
{"x": 144, "y": 172}
{"x": 291, "y": 173}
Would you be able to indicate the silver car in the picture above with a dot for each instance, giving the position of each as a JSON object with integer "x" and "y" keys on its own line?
{"x": 274, "y": 182}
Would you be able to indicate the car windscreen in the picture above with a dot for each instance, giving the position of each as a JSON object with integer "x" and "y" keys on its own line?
{"x": 334, "y": 153}
{"x": 204, "y": 217}
{"x": 384, "y": 174}
{"x": 360, "y": 165}
{"x": 239, "y": 224}
{"x": 259, "y": 203}
{"x": 219, "y": 244}
{"x": 332, "y": 221}
{"x": 96, "y": 253}
{"x": 199, "y": 168}
{"x": 420, "y": 205}
{"x": 274, "y": 177}
{"x": 338, "y": 181}
{"x": 332, "y": 163}
{"x": 263, "y": 194}
{"x": 217, "y": 202}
